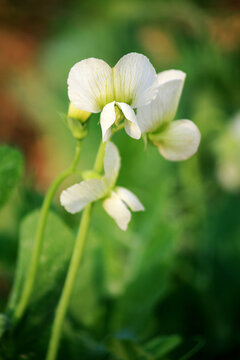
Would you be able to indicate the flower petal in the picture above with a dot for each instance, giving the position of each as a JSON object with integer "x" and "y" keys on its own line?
{"x": 111, "y": 163}
{"x": 117, "y": 210}
{"x": 180, "y": 140}
{"x": 171, "y": 75}
{"x": 129, "y": 198}
{"x": 135, "y": 80}
{"x": 164, "y": 107}
{"x": 76, "y": 197}
{"x": 130, "y": 123}
{"x": 132, "y": 129}
{"x": 90, "y": 84}
{"x": 127, "y": 111}
{"x": 107, "y": 119}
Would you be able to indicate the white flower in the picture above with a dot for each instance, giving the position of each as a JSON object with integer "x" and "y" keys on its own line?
{"x": 116, "y": 200}
{"x": 177, "y": 140}
{"x": 96, "y": 87}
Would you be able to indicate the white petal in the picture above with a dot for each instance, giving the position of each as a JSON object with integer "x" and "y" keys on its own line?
{"x": 169, "y": 75}
{"x": 129, "y": 198}
{"x": 117, "y": 210}
{"x": 180, "y": 140}
{"x": 90, "y": 84}
{"x": 135, "y": 80}
{"x": 107, "y": 119}
{"x": 130, "y": 124}
{"x": 132, "y": 129}
{"x": 76, "y": 197}
{"x": 111, "y": 163}
{"x": 127, "y": 111}
{"x": 148, "y": 117}
{"x": 164, "y": 107}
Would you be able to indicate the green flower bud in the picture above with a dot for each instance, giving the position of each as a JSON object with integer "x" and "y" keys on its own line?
{"x": 78, "y": 114}
{"x": 77, "y": 121}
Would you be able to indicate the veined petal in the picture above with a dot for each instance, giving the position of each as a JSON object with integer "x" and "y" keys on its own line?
{"x": 90, "y": 85}
{"x": 76, "y": 197}
{"x": 129, "y": 198}
{"x": 170, "y": 89}
{"x": 164, "y": 107}
{"x": 111, "y": 163}
{"x": 148, "y": 117}
{"x": 117, "y": 210}
{"x": 180, "y": 140}
{"x": 132, "y": 129}
{"x": 107, "y": 119}
{"x": 135, "y": 80}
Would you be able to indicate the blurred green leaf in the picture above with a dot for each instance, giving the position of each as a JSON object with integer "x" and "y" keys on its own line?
{"x": 56, "y": 251}
{"x": 156, "y": 349}
{"x": 3, "y": 324}
{"x": 162, "y": 345}
{"x": 85, "y": 305}
{"x": 127, "y": 349}
{"x": 154, "y": 258}
{"x": 11, "y": 168}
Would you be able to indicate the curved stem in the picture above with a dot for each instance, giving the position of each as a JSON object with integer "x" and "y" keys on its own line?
{"x": 32, "y": 270}
{"x": 73, "y": 267}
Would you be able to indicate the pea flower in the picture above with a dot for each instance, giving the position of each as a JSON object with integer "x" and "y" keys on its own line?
{"x": 115, "y": 200}
{"x": 176, "y": 140}
{"x": 95, "y": 87}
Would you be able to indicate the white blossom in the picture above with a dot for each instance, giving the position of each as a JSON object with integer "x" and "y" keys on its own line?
{"x": 95, "y": 87}
{"x": 115, "y": 200}
{"x": 177, "y": 140}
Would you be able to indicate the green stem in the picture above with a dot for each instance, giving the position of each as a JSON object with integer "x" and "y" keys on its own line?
{"x": 73, "y": 267}
{"x": 67, "y": 290}
{"x": 32, "y": 270}
{"x": 98, "y": 165}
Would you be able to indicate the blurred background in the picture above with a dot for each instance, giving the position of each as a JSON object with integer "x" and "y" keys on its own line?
{"x": 176, "y": 270}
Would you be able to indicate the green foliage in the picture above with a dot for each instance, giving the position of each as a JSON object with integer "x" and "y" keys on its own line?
{"x": 156, "y": 349}
{"x": 55, "y": 255}
{"x": 3, "y": 324}
{"x": 176, "y": 270}
{"x": 11, "y": 168}
{"x": 56, "y": 251}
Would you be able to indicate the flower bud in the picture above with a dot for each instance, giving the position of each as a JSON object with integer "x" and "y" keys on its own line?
{"x": 77, "y": 121}
{"x": 75, "y": 113}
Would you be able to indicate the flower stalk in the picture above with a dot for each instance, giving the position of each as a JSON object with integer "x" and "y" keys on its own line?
{"x": 68, "y": 286}
{"x": 32, "y": 270}
{"x": 73, "y": 267}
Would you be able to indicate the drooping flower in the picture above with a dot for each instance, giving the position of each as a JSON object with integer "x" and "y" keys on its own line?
{"x": 115, "y": 92}
{"x": 176, "y": 140}
{"x": 115, "y": 200}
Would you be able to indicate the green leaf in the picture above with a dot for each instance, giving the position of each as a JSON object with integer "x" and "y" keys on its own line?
{"x": 11, "y": 168}
{"x": 162, "y": 345}
{"x": 127, "y": 349}
{"x": 56, "y": 251}
{"x": 4, "y": 324}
